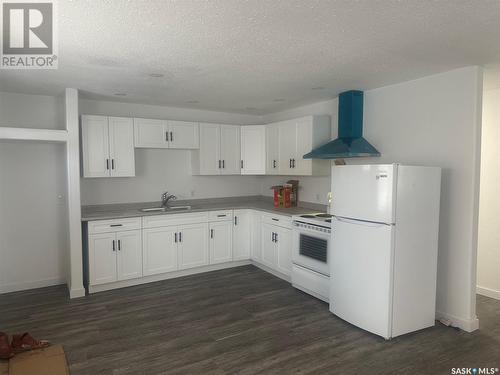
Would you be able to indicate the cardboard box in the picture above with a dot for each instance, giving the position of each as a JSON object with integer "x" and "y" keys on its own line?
{"x": 4, "y": 367}
{"x": 49, "y": 361}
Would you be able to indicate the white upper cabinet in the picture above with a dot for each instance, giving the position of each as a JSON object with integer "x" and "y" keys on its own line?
{"x": 107, "y": 146}
{"x": 253, "y": 149}
{"x": 150, "y": 133}
{"x": 272, "y": 149}
{"x": 183, "y": 134}
{"x": 297, "y": 137}
{"x": 121, "y": 151}
{"x": 219, "y": 151}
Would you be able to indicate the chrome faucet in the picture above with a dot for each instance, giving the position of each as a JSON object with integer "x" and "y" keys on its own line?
{"x": 166, "y": 197}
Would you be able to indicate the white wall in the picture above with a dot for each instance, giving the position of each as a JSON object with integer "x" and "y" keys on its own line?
{"x": 31, "y": 111}
{"x": 488, "y": 259}
{"x": 33, "y": 215}
{"x": 430, "y": 121}
{"x": 161, "y": 170}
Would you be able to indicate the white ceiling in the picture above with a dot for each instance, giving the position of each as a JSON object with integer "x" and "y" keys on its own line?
{"x": 258, "y": 56}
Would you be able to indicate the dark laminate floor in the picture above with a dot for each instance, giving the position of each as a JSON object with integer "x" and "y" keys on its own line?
{"x": 240, "y": 320}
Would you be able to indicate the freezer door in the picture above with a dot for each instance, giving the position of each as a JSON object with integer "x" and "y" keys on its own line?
{"x": 361, "y": 274}
{"x": 364, "y": 192}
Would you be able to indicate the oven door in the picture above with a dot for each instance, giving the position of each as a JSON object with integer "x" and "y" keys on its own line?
{"x": 311, "y": 250}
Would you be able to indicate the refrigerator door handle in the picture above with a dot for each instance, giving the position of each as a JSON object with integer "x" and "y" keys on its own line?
{"x": 364, "y": 223}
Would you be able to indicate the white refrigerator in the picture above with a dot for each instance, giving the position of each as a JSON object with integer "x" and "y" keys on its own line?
{"x": 384, "y": 246}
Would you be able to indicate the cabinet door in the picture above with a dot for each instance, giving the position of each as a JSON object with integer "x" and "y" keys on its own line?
{"x": 121, "y": 146}
{"x": 193, "y": 245}
{"x": 209, "y": 153}
{"x": 269, "y": 256}
{"x": 129, "y": 254}
{"x": 230, "y": 151}
{"x": 159, "y": 250}
{"x": 149, "y": 133}
{"x": 184, "y": 134}
{"x": 221, "y": 238}
{"x": 304, "y": 128}
{"x": 95, "y": 146}
{"x": 284, "y": 250}
{"x": 253, "y": 149}
{"x": 272, "y": 149}
{"x": 255, "y": 236}
{"x": 102, "y": 258}
{"x": 241, "y": 235}
{"x": 287, "y": 146}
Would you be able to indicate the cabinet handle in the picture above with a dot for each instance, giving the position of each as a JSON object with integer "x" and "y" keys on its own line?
{"x": 114, "y": 249}
{"x": 175, "y": 237}
{"x": 120, "y": 245}
{"x": 275, "y": 237}
{"x": 166, "y": 136}
{"x": 274, "y": 163}
{"x": 116, "y": 225}
{"x": 223, "y": 164}
{"x": 272, "y": 236}
{"x": 180, "y": 236}
{"x": 290, "y": 163}
{"x": 112, "y": 163}
{"x": 236, "y": 220}
{"x": 211, "y": 233}
{"x": 221, "y": 215}
{"x": 107, "y": 164}
{"x": 242, "y": 164}
{"x": 171, "y": 136}
{"x": 219, "y": 164}
{"x": 274, "y": 219}
{"x": 293, "y": 163}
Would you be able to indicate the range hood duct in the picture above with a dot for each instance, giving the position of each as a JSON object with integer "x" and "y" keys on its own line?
{"x": 350, "y": 143}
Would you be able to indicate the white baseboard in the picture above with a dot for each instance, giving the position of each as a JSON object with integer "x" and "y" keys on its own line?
{"x": 468, "y": 325}
{"x": 76, "y": 293}
{"x": 487, "y": 292}
{"x": 17, "y": 287}
{"x": 165, "y": 276}
{"x": 271, "y": 271}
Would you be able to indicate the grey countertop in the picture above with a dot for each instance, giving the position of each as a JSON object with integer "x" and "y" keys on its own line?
{"x": 123, "y": 210}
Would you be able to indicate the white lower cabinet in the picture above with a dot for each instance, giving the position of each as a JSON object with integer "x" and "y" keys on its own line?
{"x": 241, "y": 234}
{"x": 159, "y": 250}
{"x": 114, "y": 256}
{"x": 130, "y": 248}
{"x": 193, "y": 245}
{"x": 277, "y": 248}
{"x": 221, "y": 242}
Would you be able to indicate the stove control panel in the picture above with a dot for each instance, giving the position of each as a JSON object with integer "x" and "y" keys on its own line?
{"x": 317, "y": 228}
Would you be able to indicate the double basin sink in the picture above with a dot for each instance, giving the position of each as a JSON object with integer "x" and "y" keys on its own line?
{"x": 165, "y": 209}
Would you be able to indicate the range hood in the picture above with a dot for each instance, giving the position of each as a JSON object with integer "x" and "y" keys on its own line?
{"x": 350, "y": 143}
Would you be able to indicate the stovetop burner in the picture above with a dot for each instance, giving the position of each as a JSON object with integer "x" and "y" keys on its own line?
{"x": 323, "y": 215}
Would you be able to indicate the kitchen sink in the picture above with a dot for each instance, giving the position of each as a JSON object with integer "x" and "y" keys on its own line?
{"x": 164, "y": 209}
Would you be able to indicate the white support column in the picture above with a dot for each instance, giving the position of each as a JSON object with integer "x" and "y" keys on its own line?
{"x": 75, "y": 276}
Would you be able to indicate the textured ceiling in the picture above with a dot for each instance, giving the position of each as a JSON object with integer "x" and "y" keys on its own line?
{"x": 257, "y": 56}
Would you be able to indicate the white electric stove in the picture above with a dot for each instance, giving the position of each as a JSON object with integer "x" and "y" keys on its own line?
{"x": 310, "y": 254}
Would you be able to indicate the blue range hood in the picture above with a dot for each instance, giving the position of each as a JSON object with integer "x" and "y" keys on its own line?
{"x": 350, "y": 143}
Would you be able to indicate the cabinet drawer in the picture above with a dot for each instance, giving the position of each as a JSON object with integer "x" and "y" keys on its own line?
{"x": 174, "y": 219}
{"x": 117, "y": 225}
{"x": 280, "y": 220}
{"x": 222, "y": 215}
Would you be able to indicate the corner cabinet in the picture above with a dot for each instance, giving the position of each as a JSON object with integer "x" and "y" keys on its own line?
{"x": 253, "y": 149}
{"x": 219, "y": 152}
{"x": 107, "y": 146}
{"x": 288, "y": 141}
{"x": 151, "y": 133}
